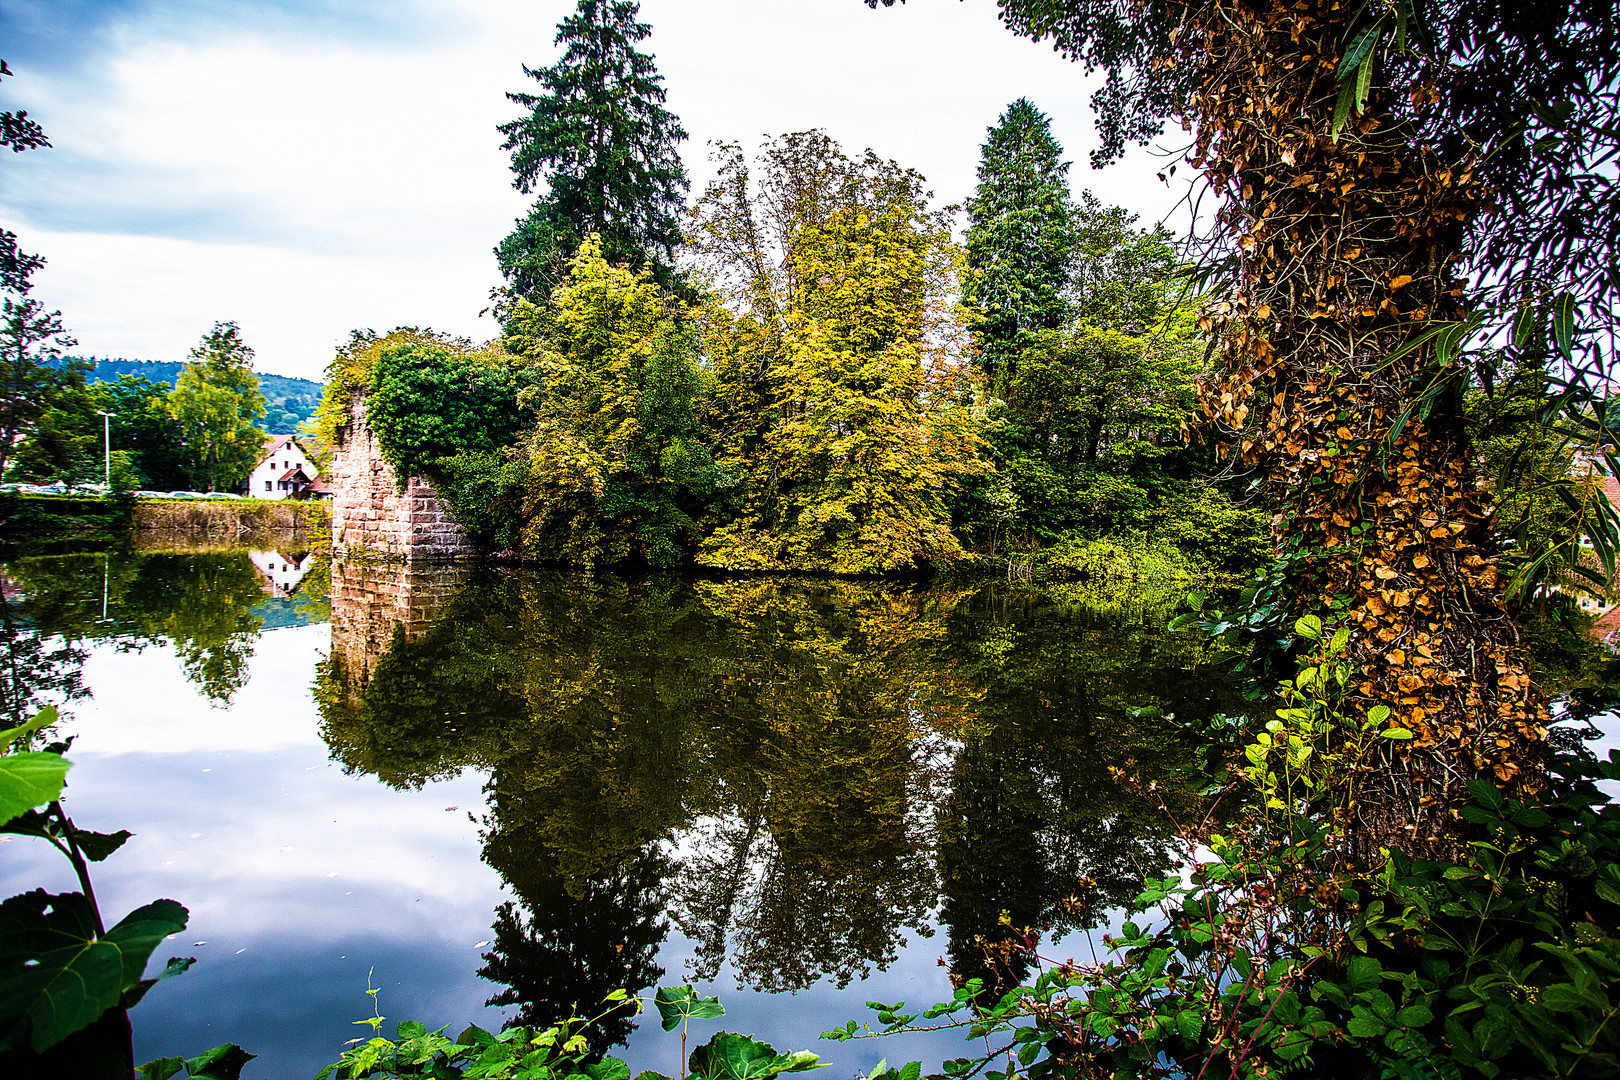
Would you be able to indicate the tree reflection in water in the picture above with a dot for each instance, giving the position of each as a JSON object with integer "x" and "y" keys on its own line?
{"x": 208, "y": 605}
{"x": 799, "y": 773}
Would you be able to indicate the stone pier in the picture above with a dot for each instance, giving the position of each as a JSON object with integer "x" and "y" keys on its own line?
{"x": 372, "y": 515}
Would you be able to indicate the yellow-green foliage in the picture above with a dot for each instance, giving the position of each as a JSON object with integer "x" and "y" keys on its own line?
{"x": 350, "y": 370}
{"x": 615, "y": 470}
{"x": 838, "y": 391}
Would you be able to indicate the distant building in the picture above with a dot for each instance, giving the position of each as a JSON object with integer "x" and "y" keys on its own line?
{"x": 285, "y": 471}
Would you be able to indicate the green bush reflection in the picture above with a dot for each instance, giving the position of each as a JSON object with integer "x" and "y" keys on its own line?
{"x": 798, "y": 775}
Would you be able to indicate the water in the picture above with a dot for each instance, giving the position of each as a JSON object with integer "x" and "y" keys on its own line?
{"x": 529, "y": 788}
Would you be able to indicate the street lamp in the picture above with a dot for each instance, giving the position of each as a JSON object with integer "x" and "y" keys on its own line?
{"x": 106, "y": 430}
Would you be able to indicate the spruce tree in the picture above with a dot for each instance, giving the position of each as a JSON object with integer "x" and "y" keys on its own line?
{"x": 604, "y": 147}
{"x": 1020, "y": 237}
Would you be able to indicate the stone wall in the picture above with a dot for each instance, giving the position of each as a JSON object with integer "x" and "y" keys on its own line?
{"x": 369, "y": 512}
{"x": 370, "y": 601}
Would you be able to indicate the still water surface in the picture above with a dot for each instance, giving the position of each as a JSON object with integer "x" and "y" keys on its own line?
{"x": 497, "y": 793}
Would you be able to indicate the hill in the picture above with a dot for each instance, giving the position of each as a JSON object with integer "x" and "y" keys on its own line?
{"x": 288, "y": 401}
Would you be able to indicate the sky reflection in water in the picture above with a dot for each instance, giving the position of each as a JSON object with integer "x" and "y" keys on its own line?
{"x": 802, "y": 775}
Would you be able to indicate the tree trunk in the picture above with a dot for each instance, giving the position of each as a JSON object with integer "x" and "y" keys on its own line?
{"x": 1346, "y": 246}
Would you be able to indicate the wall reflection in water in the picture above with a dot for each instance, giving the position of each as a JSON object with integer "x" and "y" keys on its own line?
{"x": 796, "y": 775}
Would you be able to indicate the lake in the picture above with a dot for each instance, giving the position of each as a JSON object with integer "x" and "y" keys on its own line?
{"x": 495, "y": 793}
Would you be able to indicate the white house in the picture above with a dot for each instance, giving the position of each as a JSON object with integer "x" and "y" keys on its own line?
{"x": 284, "y": 471}
{"x": 282, "y": 575}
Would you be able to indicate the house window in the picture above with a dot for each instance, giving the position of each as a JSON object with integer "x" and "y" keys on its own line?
{"x": 267, "y": 485}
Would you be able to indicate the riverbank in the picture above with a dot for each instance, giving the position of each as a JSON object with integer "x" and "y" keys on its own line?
{"x": 30, "y": 522}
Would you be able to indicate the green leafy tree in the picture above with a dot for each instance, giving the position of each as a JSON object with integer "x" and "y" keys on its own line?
{"x": 600, "y": 140}
{"x": 1020, "y": 237}
{"x": 32, "y": 344}
{"x": 32, "y": 339}
{"x": 142, "y": 425}
{"x": 836, "y": 349}
{"x": 617, "y": 468}
{"x": 216, "y": 402}
{"x": 63, "y": 440}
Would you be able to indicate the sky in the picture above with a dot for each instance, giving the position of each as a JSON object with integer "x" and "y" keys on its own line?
{"x": 309, "y": 167}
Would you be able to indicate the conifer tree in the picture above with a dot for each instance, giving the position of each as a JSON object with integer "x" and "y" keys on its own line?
{"x": 605, "y": 149}
{"x": 1020, "y": 236}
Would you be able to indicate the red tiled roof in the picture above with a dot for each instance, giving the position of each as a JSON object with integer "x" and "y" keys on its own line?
{"x": 295, "y": 471}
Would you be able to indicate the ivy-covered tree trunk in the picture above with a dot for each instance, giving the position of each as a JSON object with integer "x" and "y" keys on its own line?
{"x": 1347, "y": 244}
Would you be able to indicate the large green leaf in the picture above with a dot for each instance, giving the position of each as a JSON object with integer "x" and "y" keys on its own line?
{"x": 678, "y": 1003}
{"x": 32, "y": 778}
{"x": 57, "y": 975}
{"x": 729, "y": 1056}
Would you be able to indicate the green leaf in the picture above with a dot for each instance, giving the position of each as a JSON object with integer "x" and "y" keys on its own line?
{"x": 57, "y": 976}
{"x": 1308, "y": 627}
{"x": 42, "y": 719}
{"x": 1608, "y": 884}
{"x": 1395, "y": 733}
{"x": 677, "y": 1004}
{"x": 1562, "y": 997}
{"x": 1366, "y": 1027}
{"x": 607, "y": 1069}
{"x": 223, "y": 1062}
{"x": 1563, "y": 325}
{"x": 139, "y": 932}
{"x": 177, "y": 965}
{"x": 1486, "y": 793}
{"x": 160, "y": 1068}
{"x": 97, "y": 846}
{"x": 32, "y": 778}
{"x": 1414, "y": 1016}
{"x": 729, "y": 1056}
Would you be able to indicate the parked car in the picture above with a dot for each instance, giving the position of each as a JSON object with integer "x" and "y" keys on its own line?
{"x": 184, "y": 495}
{"x": 221, "y": 495}
{"x": 151, "y": 494}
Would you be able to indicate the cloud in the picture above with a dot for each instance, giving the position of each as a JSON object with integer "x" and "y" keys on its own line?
{"x": 313, "y": 167}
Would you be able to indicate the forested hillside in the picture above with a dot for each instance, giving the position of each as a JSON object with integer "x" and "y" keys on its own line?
{"x": 289, "y": 401}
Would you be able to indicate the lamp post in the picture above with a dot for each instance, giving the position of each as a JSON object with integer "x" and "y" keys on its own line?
{"x": 106, "y": 430}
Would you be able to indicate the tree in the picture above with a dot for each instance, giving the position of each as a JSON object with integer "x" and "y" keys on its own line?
{"x": 142, "y": 425}
{"x": 31, "y": 339}
{"x": 1082, "y": 414}
{"x": 1370, "y": 160}
{"x": 839, "y": 392}
{"x": 216, "y": 401}
{"x": 1020, "y": 238}
{"x": 601, "y": 141}
{"x": 617, "y": 468}
{"x": 32, "y": 344}
{"x": 63, "y": 440}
